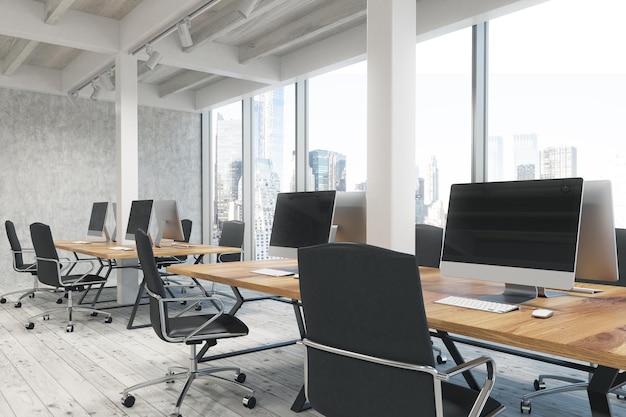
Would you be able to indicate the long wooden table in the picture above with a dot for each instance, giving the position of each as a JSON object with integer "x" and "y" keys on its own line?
{"x": 585, "y": 327}
{"x": 128, "y": 288}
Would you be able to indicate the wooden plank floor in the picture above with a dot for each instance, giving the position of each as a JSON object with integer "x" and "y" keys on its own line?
{"x": 48, "y": 372}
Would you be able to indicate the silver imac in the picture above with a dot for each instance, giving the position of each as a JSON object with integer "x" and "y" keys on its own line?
{"x": 168, "y": 222}
{"x": 98, "y": 219}
{"x": 350, "y": 219}
{"x": 597, "y": 250}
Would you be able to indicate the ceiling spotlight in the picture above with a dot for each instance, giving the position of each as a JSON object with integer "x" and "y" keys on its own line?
{"x": 184, "y": 32}
{"x": 154, "y": 59}
{"x": 106, "y": 80}
{"x": 246, "y": 7}
{"x": 96, "y": 90}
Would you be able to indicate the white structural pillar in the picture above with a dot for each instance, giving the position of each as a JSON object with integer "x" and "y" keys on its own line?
{"x": 126, "y": 126}
{"x": 391, "y": 36}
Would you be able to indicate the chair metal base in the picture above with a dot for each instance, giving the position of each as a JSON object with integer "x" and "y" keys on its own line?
{"x": 30, "y": 293}
{"x": 189, "y": 374}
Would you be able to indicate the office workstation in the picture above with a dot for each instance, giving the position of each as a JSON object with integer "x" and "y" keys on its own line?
{"x": 82, "y": 140}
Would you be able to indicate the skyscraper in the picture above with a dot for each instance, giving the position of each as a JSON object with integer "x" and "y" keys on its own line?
{"x": 526, "y": 156}
{"x": 228, "y": 170}
{"x": 328, "y": 169}
{"x": 495, "y": 158}
{"x": 431, "y": 183}
{"x": 558, "y": 162}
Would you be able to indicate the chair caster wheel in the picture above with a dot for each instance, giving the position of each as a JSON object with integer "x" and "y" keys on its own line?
{"x": 94, "y": 314}
{"x": 18, "y": 304}
{"x": 31, "y": 295}
{"x": 539, "y": 385}
{"x": 199, "y": 307}
{"x": 3, "y": 300}
{"x": 524, "y": 406}
{"x": 69, "y": 328}
{"x": 46, "y": 317}
{"x": 249, "y": 402}
{"x": 128, "y": 400}
{"x": 30, "y": 326}
{"x": 108, "y": 319}
{"x": 59, "y": 301}
{"x": 441, "y": 359}
{"x": 241, "y": 378}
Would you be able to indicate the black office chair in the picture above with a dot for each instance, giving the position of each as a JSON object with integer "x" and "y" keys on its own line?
{"x": 428, "y": 242}
{"x": 232, "y": 236}
{"x": 165, "y": 261}
{"x": 17, "y": 255}
{"x": 575, "y": 384}
{"x": 364, "y": 357}
{"x": 180, "y": 327}
{"x": 50, "y": 272}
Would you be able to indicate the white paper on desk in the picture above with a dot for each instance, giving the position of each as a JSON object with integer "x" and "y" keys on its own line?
{"x": 273, "y": 272}
{"x": 120, "y": 248}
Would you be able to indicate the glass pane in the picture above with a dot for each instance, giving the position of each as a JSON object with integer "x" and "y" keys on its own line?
{"x": 557, "y": 98}
{"x": 228, "y": 167}
{"x": 443, "y": 122}
{"x": 274, "y": 139}
{"x": 337, "y": 114}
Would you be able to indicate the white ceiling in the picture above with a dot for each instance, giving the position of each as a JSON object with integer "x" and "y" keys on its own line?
{"x": 58, "y": 46}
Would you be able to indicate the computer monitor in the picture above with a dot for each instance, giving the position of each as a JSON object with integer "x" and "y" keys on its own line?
{"x": 350, "y": 219}
{"x": 521, "y": 233}
{"x": 597, "y": 249}
{"x": 301, "y": 219}
{"x": 97, "y": 220}
{"x": 139, "y": 218}
{"x": 168, "y": 221}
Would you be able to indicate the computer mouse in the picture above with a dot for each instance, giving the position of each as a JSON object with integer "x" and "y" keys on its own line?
{"x": 542, "y": 313}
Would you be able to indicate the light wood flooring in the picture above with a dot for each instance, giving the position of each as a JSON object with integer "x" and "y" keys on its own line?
{"x": 48, "y": 372}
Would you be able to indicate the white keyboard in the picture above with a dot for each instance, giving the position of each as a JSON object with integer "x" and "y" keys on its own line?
{"x": 475, "y": 304}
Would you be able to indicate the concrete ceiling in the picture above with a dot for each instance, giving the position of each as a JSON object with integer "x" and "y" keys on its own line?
{"x": 60, "y": 46}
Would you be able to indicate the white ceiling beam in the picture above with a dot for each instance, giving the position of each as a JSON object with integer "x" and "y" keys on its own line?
{"x": 184, "y": 82}
{"x": 24, "y": 19}
{"x": 228, "y": 18}
{"x": 150, "y": 18}
{"x": 216, "y": 59}
{"x": 87, "y": 66}
{"x": 331, "y": 53}
{"x": 224, "y": 92}
{"x": 334, "y": 14}
{"x": 33, "y": 78}
{"x": 20, "y": 50}
{"x": 55, "y": 9}
{"x": 148, "y": 96}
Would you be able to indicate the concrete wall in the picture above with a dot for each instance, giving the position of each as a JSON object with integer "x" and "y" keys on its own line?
{"x": 57, "y": 159}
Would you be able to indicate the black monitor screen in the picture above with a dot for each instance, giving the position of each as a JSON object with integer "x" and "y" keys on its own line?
{"x": 524, "y": 224}
{"x": 139, "y": 218}
{"x": 302, "y": 219}
{"x": 97, "y": 221}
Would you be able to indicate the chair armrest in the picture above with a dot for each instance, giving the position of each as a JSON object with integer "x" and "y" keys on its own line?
{"x": 195, "y": 300}
{"x": 484, "y": 392}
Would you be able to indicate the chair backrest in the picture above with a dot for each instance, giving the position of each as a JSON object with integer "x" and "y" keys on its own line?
{"x": 152, "y": 279}
{"x": 365, "y": 299}
{"x": 186, "y": 223}
{"x": 232, "y": 236}
{"x": 14, "y": 242}
{"x": 47, "y": 272}
{"x": 428, "y": 242}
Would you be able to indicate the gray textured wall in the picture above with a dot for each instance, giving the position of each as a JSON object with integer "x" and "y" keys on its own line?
{"x": 56, "y": 159}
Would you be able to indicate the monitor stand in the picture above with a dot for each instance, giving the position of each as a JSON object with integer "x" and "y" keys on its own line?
{"x": 517, "y": 294}
{"x": 514, "y": 294}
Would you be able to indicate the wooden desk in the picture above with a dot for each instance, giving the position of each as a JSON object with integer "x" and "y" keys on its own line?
{"x": 128, "y": 284}
{"x": 585, "y": 327}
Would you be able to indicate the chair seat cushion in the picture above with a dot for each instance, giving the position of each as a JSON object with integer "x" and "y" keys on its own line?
{"x": 32, "y": 268}
{"x": 457, "y": 401}
{"x": 90, "y": 279}
{"x": 225, "y": 326}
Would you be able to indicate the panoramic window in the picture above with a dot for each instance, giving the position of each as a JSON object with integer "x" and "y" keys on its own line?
{"x": 228, "y": 167}
{"x": 337, "y": 122}
{"x": 443, "y": 122}
{"x": 557, "y": 97}
{"x": 274, "y": 145}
